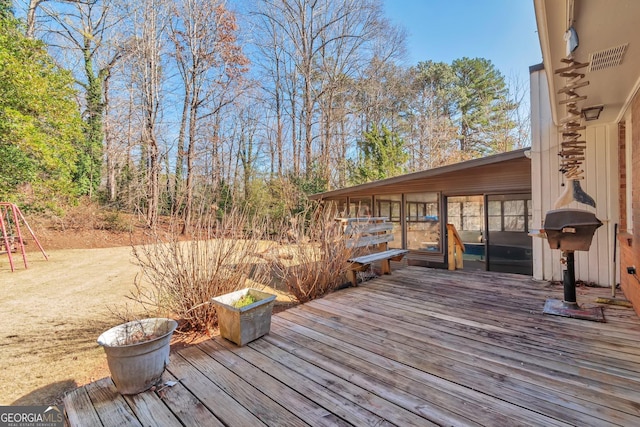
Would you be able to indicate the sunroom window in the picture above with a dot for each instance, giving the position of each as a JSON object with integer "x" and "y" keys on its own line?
{"x": 422, "y": 211}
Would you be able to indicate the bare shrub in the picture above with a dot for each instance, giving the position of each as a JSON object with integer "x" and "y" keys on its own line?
{"x": 179, "y": 277}
{"x": 318, "y": 255}
{"x": 113, "y": 221}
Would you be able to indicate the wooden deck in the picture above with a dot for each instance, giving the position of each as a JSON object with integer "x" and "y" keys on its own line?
{"x": 420, "y": 347}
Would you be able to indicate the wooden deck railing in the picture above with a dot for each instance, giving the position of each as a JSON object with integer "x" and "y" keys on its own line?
{"x": 455, "y": 248}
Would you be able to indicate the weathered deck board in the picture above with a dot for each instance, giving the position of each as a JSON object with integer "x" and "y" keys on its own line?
{"x": 188, "y": 408}
{"x": 222, "y": 405}
{"x": 299, "y": 360}
{"x": 329, "y": 399}
{"x": 478, "y": 370}
{"x": 447, "y": 408}
{"x": 537, "y": 342}
{"x": 80, "y": 410}
{"x": 460, "y": 399}
{"x": 444, "y": 368}
{"x": 418, "y": 347}
{"x": 255, "y": 399}
{"x": 305, "y": 408}
{"x": 150, "y": 410}
{"x": 111, "y": 407}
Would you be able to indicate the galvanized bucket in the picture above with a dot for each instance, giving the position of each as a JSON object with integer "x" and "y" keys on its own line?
{"x": 245, "y": 324}
{"x": 138, "y": 352}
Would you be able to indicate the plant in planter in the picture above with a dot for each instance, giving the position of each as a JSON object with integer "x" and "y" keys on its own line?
{"x": 246, "y": 300}
{"x": 244, "y": 315}
{"x": 138, "y": 352}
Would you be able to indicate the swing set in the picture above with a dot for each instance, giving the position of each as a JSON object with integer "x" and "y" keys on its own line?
{"x": 10, "y": 220}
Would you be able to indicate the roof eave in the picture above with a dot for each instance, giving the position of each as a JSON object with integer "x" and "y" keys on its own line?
{"x": 483, "y": 161}
{"x": 545, "y": 47}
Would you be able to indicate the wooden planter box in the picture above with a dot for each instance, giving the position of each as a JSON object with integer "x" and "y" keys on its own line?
{"x": 245, "y": 324}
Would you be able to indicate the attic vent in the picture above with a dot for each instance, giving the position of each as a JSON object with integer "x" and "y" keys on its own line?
{"x": 607, "y": 58}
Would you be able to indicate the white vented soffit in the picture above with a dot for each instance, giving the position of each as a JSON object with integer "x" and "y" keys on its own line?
{"x": 607, "y": 58}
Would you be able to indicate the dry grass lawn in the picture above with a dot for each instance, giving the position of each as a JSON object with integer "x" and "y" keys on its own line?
{"x": 52, "y": 314}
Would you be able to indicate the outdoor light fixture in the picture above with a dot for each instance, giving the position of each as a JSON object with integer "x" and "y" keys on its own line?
{"x": 592, "y": 113}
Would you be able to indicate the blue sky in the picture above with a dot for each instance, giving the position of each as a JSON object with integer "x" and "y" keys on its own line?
{"x": 503, "y": 31}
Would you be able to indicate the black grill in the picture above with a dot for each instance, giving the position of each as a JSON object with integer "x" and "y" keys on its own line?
{"x": 571, "y": 230}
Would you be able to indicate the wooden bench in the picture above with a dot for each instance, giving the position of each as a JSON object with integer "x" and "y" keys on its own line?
{"x": 369, "y": 238}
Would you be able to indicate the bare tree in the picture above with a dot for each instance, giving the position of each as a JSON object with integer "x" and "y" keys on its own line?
{"x": 248, "y": 144}
{"x": 351, "y": 44}
{"x": 122, "y": 129}
{"x": 150, "y": 25}
{"x": 314, "y": 52}
{"x": 518, "y": 93}
{"x": 210, "y": 64}
{"x": 432, "y": 133}
{"x": 89, "y": 31}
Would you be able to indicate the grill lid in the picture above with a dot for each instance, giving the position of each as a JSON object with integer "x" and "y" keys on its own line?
{"x": 560, "y": 218}
{"x": 570, "y": 229}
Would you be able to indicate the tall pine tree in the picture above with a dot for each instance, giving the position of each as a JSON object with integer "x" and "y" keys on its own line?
{"x": 482, "y": 106}
{"x": 470, "y": 98}
{"x": 382, "y": 155}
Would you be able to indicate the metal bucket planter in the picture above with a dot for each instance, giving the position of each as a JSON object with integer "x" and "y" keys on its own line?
{"x": 138, "y": 352}
{"x": 245, "y": 324}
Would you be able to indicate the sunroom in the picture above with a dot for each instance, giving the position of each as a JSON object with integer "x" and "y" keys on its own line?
{"x": 487, "y": 200}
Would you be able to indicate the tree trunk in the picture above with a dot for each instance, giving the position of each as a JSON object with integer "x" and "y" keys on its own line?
{"x": 112, "y": 188}
{"x": 177, "y": 179}
{"x": 31, "y": 18}
{"x": 188, "y": 202}
{"x": 95, "y": 113}
{"x": 153, "y": 190}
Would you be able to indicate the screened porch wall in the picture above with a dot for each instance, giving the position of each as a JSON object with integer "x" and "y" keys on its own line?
{"x": 505, "y": 173}
{"x": 390, "y": 206}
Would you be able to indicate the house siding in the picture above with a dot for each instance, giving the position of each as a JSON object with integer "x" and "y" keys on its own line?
{"x": 596, "y": 265}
